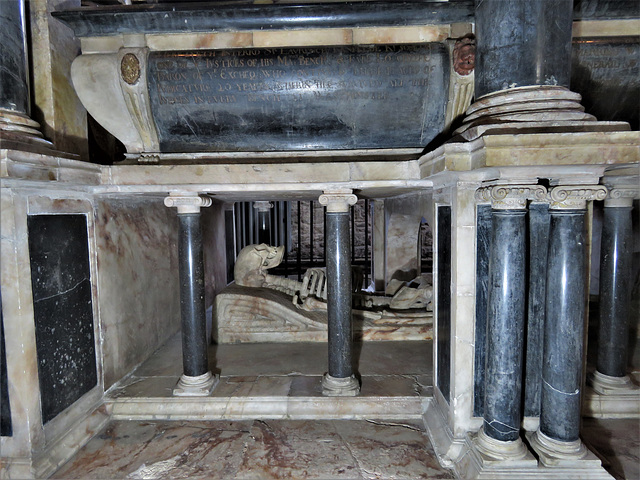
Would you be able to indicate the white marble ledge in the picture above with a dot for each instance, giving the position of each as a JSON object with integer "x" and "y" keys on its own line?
{"x": 35, "y": 167}
{"x": 277, "y": 38}
{"x": 590, "y": 151}
{"x": 623, "y": 405}
{"x": 277, "y": 407}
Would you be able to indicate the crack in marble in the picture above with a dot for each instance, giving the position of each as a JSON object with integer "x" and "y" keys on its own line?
{"x": 560, "y": 391}
{"x": 390, "y": 424}
{"x": 61, "y": 293}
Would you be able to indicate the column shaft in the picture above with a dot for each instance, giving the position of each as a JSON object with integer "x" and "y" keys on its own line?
{"x": 615, "y": 290}
{"x": 522, "y": 43}
{"x": 194, "y": 337}
{"x": 505, "y": 325}
{"x": 14, "y": 75}
{"x": 564, "y": 326}
{"x": 264, "y": 227}
{"x": 339, "y": 294}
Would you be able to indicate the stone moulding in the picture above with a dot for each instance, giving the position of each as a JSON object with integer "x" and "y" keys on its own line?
{"x": 510, "y": 196}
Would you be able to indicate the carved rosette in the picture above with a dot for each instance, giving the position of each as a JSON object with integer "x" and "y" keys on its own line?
{"x": 575, "y": 196}
{"x": 504, "y": 197}
{"x": 130, "y": 68}
{"x": 133, "y": 84}
{"x": 338, "y": 202}
{"x": 187, "y": 202}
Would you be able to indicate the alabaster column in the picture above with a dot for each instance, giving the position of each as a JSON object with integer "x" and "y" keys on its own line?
{"x": 499, "y": 436}
{"x": 615, "y": 294}
{"x": 340, "y": 379}
{"x": 197, "y": 379}
{"x": 558, "y": 437}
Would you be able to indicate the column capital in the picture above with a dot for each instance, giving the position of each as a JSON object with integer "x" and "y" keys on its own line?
{"x": 575, "y": 197}
{"x": 622, "y": 196}
{"x": 338, "y": 201}
{"x": 262, "y": 206}
{"x": 187, "y": 202}
{"x": 506, "y": 197}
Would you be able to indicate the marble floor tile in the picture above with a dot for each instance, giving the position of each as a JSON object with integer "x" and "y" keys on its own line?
{"x": 257, "y": 449}
{"x": 161, "y": 450}
{"x": 617, "y": 441}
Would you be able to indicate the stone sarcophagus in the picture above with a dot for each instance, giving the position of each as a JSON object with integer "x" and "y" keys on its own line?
{"x": 193, "y": 84}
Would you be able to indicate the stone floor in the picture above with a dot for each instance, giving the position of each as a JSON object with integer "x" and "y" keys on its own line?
{"x": 257, "y": 449}
{"x": 268, "y": 419}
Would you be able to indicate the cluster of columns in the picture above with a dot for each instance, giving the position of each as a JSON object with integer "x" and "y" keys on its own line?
{"x": 197, "y": 379}
{"x": 557, "y": 438}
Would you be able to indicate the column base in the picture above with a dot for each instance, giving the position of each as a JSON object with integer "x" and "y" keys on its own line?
{"x": 200, "y": 386}
{"x": 606, "y": 385}
{"x": 493, "y": 450}
{"x": 556, "y": 453}
{"x": 340, "y": 387}
{"x": 486, "y": 458}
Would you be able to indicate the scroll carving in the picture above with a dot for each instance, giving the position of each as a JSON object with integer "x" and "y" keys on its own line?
{"x": 511, "y": 196}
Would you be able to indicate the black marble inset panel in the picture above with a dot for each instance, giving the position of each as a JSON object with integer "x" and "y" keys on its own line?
{"x": 6, "y": 428}
{"x": 536, "y": 300}
{"x": 606, "y": 72}
{"x": 443, "y": 311}
{"x": 61, "y": 283}
{"x": 483, "y": 248}
{"x": 311, "y": 98}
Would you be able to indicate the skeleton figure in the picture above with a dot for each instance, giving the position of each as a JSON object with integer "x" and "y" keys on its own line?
{"x": 311, "y": 294}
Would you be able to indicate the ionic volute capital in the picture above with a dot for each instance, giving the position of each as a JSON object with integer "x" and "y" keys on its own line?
{"x": 505, "y": 197}
{"x": 187, "y": 202}
{"x": 575, "y": 196}
{"x": 338, "y": 201}
{"x": 622, "y": 196}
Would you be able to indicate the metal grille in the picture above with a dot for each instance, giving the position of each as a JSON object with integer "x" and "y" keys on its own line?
{"x": 300, "y": 227}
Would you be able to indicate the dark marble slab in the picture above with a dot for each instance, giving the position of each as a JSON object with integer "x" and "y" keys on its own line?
{"x": 443, "y": 309}
{"x": 172, "y": 17}
{"x": 6, "y": 427}
{"x": 483, "y": 247}
{"x": 606, "y": 72}
{"x": 315, "y": 98}
{"x": 61, "y": 284}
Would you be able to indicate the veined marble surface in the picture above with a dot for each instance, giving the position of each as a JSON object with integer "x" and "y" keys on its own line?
{"x": 136, "y": 243}
{"x": 258, "y": 449}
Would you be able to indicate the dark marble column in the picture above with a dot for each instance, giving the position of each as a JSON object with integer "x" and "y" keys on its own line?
{"x": 197, "y": 379}
{"x": 536, "y": 303}
{"x": 564, "y": 326}
{"x": 522, "y": 43}
{"x": 499, "y": 437}
{"x": 14, "y": 76}
{"x": 615, "y": 293}
{"x": 563, "y": 354}
{"x": 340, "y": 379}
{"x": 264, "y": 221}
{"x": 505, "y": 325}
